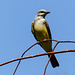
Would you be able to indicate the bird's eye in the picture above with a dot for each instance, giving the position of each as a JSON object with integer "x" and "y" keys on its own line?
{"x": 41, "y": 12}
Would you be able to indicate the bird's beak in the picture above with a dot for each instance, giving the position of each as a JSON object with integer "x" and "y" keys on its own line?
{"x": 48, "y": 12}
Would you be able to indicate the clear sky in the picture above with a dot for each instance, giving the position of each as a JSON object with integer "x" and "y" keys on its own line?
{"x": 16, "y": 17}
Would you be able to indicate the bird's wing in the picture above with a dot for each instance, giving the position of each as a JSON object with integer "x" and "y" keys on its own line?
{"x": 32, "y": 27}
{"x": 48, "y": 29}
{"x": 32, "y": 30}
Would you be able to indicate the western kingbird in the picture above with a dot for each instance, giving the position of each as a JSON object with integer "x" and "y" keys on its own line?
{"x": 41, "y": 31}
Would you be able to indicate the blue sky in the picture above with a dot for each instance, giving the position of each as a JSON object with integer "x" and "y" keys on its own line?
{"x": 16, "y": 17}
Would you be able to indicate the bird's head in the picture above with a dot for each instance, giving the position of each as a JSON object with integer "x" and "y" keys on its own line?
{"x": 42, "y": 13}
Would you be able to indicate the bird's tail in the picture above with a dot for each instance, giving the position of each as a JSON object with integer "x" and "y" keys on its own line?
{"x": 54, "y": 61}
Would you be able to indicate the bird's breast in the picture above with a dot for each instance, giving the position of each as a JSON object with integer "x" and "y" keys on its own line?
{"x": 41, "y": 31}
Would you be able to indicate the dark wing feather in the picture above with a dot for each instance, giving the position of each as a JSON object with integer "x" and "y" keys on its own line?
{"x": 48, "y": 29}
{"x": 32, "y": 30}
{"x": 53, "y": 60}
{"x": 32, "y": 27}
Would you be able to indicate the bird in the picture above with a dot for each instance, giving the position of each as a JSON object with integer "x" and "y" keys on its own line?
{"x": 40, "y": 29}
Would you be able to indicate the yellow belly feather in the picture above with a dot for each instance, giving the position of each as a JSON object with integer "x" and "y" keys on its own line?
{"x": 41, "y": 33}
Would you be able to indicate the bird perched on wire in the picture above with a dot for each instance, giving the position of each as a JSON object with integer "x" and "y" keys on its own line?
{"x": 41, "y": 31}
